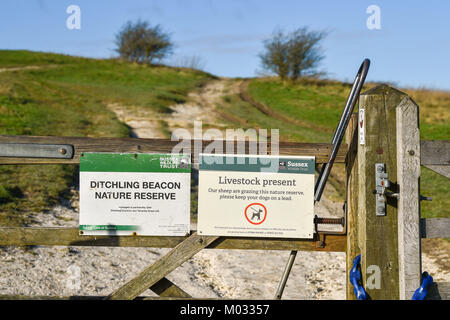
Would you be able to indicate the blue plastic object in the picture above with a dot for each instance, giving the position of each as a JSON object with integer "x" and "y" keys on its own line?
{"x": 355, "y": 279}
{"x": 422, "y": 291}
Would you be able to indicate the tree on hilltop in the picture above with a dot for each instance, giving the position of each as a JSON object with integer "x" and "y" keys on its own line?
{"x": 294, "y": 54}
{"x": 142, "y": 43}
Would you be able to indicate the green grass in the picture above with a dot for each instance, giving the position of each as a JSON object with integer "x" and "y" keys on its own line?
{"x": 68, "y": 96}
{"x": 21, "y": 58}
{"x": 235, "y": 107}
{"x": 316, "y": 104}
{"x": 319, "y": 103}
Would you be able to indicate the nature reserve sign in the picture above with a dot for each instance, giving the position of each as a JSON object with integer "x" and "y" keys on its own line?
{"x": 256, "y": 196}
{"x": 128, "y": 193}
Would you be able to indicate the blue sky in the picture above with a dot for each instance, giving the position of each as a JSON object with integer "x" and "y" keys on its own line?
{"x": 412, "y": 48}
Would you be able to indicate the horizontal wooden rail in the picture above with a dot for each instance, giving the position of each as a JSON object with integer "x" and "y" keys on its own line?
{"x": 435, "y": 155}
{"x": 435, "y": 152}
{"x": 437, "y": 291}
{"x": 23, "y": 297}
{"x": 83, "y": 144}
{"x": 435, "y": 228}
{"x": 57, "y": 236}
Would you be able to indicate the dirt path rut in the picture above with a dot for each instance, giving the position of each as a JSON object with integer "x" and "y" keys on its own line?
{"x": 243, "y": 273}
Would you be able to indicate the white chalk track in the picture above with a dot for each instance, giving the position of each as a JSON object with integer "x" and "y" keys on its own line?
{"x": 239, "y": 274}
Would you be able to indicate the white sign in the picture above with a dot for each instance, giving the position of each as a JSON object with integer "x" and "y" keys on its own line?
{"x": 134, "y": 194}
{"x": 256, "y": 196}
{"x": 362, "y": 127}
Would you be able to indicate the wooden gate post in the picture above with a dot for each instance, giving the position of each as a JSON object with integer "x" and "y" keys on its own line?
{"x": 408, "y": 174}
{"x": 351, "y": 169}
{"x": 378, "y": 235}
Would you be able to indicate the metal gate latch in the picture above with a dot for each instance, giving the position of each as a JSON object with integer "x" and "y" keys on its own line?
{"x": 381, "y": 184}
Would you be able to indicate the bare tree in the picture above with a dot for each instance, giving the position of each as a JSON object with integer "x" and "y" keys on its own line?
{"x": 142, "y": 43}
{"x": 292, "y": 54}
{"x": 276, "y": 58}
{"x": 304, "y": 52}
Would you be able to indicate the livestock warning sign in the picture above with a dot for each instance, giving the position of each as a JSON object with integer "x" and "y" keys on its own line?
{"x": 134, "y": 193}
{"x": 256, "y": 196}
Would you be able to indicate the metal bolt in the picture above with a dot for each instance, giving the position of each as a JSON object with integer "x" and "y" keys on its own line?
{"x": 62, "y": 151}
{"x": 340, "y": 221}
{"x": 411, "y": 152}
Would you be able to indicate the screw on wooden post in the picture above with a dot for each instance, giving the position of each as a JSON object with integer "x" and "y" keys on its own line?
{"x": 378, "y": 236}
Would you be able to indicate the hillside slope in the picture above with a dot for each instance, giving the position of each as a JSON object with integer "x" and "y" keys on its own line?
{"x": 47, "y": 94}
{"x": 52, "y": 94}
{"x": 309, "y": 110}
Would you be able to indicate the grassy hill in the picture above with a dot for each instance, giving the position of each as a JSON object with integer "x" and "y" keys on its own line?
{"x": 309, "y": 110}
{"x": 52, "y": 94}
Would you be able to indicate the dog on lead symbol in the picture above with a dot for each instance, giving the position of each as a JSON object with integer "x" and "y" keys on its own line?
{"x": 256, "y": 214}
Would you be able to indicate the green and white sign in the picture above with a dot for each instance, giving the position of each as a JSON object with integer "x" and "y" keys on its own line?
{"x": 256, "y": 196}
{"x": 134, "y": 193}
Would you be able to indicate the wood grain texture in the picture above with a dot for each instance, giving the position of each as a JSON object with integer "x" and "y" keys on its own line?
{"x": 162, "y": 267}
{"x": 408, "y": 177}
{"x": 57, "y": 236}
{"x": 435, "y": 155}
{"x": 378, "y": 236}
{"x": 435, "y": 228}
{"x": 435, "y": 152}
{"x": 90, "y": 298}
{"x": 352, "y": 200}
{"x": 333, "y": 243}
{"x": 439, "y": 291}
{"x": 440, "y": 169}
{"x": 166, "y": 288}
{"x": 83, "y": 144}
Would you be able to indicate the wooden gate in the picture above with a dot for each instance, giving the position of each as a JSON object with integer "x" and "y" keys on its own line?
{"x": 391, "y": 137}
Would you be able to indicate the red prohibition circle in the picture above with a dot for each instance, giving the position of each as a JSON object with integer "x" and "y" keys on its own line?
{"x": 265, "y": 213}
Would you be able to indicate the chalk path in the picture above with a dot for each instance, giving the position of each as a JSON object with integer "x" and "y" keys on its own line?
{"x": 240, "y": 274}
